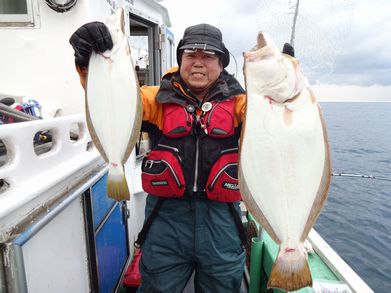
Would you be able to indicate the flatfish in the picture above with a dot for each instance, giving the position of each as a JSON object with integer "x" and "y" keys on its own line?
{"x": 284, "y": 165}
{"x": 113, "y": 106}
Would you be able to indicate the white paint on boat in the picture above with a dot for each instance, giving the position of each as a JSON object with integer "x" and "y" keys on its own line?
{"x": 338, "y": 266}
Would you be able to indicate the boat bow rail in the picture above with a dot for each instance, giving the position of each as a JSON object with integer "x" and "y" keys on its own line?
{"x": 336, "y": 264}
{"x": 330, "y": 273}
{"x": 59, "y": 231}
{"x": 31, "y": 179}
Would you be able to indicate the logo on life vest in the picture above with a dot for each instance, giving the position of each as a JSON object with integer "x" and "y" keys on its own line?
{"x": 159, "y": 183}
{"x": 230, "y": 185}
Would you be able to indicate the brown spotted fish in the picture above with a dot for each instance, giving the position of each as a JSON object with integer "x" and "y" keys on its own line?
{"x": 284, "y": 167}
{"x": 113, "y": 106}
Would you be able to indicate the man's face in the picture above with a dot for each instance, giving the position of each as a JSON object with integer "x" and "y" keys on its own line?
{"x": 200, "y": 69}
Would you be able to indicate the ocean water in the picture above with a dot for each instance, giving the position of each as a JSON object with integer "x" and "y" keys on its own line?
{"x": 356, "y": 220}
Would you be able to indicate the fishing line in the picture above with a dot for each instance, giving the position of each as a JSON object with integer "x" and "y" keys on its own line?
{"x": 317, "y": 29}
{"x": 236, "y": 64}
{"x": 361, "y": 176}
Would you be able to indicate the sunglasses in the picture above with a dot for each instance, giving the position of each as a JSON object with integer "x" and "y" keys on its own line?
{"x": 192, "y": 51}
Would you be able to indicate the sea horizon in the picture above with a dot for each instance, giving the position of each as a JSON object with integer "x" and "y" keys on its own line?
{"x": 355, "y": 101}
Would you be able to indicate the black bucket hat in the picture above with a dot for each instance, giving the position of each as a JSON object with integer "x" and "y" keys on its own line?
{"x": 205, "y": 37}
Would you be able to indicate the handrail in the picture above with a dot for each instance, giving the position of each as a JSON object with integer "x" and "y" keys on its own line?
{"x": 29, "y": 179}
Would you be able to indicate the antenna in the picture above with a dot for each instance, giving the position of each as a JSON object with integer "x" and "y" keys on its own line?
{"x": 316, "y": 44}
{"x": 296, "y": 14}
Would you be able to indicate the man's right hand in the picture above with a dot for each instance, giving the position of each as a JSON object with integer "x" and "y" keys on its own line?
{"x": 92, "y": 36}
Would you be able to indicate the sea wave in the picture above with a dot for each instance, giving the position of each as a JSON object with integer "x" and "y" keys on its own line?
{"x": 356, "y": 220}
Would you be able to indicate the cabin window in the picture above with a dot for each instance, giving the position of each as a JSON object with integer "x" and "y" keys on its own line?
{"x": 144, "y": 45}
{"x": 13, "y": 7}
{"x": 16, "y": 12}
{"x": 140, "y": 56}
{"x": 170, "y": 49}
{"x": 145, "y": 50}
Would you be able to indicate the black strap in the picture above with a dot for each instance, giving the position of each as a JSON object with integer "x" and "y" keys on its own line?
{"x": 147, "y": 224}
{"x": 238, "y": 222}
{"x": 137, "y": 146}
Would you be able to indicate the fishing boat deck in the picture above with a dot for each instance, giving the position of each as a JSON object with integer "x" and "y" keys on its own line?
{"x": 319, "y": 270}
{"x": 264, "y": 251}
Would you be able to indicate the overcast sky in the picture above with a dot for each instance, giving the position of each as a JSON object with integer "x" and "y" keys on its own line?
{"x": 344, "y": 46}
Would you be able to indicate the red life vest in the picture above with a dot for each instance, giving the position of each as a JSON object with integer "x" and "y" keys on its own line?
{"x": 195, "y": 152}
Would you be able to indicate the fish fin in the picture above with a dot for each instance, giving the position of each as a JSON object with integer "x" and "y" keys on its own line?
{"x": 135, "y": 134}
{"x": 117, "y": 186}
{"x": 91, "y": 130}
{"x": 290, "y": 272}
{"x": 324, "y": 185}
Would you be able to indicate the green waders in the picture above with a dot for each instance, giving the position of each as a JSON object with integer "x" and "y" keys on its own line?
{"x": 191, "y": 235}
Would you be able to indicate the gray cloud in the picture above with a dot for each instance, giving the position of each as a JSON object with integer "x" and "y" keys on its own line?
{"x": 343, "y": 42}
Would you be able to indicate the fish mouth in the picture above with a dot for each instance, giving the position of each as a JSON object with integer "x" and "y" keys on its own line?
{"x": 262, "y": 43}
{"x": 261, "y": 40}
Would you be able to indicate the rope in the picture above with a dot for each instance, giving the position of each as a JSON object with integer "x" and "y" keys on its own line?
{"x": 61, "y": 7}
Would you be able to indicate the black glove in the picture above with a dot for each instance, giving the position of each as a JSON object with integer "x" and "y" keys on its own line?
{"x": 92, "y": 36}
{"x": 288, "y": 49}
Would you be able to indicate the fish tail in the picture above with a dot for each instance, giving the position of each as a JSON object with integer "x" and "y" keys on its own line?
{"x": 290, "y": 271}
{"x": 117, "y": 187}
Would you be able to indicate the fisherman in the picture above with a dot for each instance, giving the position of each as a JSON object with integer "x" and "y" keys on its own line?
{"x": 193, "y": 119}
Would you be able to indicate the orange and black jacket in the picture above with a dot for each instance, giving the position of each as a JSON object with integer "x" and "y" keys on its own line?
{"x": 170, "y": 117}
{"x": 176, "y": 123}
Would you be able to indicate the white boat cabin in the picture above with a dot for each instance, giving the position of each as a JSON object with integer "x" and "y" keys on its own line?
{"x": 59, "y": 232}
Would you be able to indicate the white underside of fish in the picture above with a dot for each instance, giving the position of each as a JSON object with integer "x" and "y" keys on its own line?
{"x": 113, "y": 106}
{"x": 284, "y": 170}
{"x": 290, "y": 162}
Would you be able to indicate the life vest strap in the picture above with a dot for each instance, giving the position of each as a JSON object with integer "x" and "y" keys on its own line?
{"x": 238, "y": 222}
{"x": 148, "y": 223}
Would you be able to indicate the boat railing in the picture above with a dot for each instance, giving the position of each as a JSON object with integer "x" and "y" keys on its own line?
{"x": 40, "y": 160}
{"x": 336, "y": 264}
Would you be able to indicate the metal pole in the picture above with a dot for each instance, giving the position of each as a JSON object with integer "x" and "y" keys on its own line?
{"x": 255, "y": 265}
{"x": 294, "y": 22}
{"x": 19, "y": 116}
